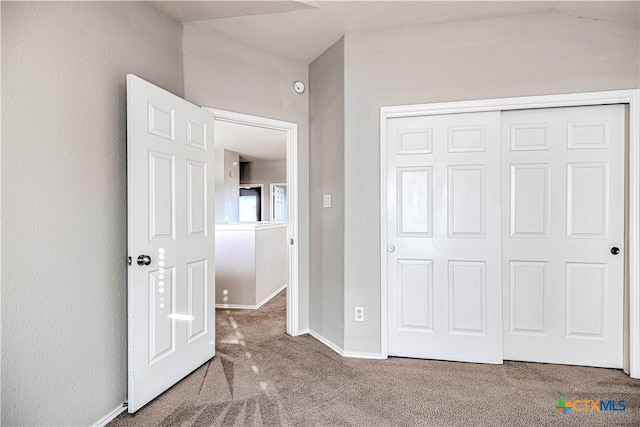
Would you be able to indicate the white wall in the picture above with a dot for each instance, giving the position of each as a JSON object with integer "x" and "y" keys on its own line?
{"x": 236, "y": 266}
{"x": 251, "y": 262}
{"x": 64, "y": 333}
{"x": 231, "y": 186}
{"x": 532, "y": 55}
{"x": 272, "y": 263}
{"x": 230, "y": 76}
{"x": 327, "y": 173}
{"x": 264, "y": 172}
{"x": 219, "y": 184}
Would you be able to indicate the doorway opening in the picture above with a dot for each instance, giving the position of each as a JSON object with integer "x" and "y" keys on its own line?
{"x": 248, "y": 165}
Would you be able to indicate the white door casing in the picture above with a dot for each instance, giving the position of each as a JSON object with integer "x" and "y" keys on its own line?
{"x": 171, "y": 317}
{"x": 563, "y": 212}
{"x": 443, "y": 225}
{"x": 291, "y": 131}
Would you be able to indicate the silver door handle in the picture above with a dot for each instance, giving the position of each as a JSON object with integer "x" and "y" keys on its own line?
{"x": 391, "y": 248}
{"x": 144, "y": 260}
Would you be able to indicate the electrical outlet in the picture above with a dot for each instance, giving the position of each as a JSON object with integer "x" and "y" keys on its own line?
{"x": 359, "y": 314}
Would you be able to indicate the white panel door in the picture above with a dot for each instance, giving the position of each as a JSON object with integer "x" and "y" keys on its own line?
{"x": 170, "y": 177}
{"x": 563, "y": 212}
{"x": 443, "y": 207}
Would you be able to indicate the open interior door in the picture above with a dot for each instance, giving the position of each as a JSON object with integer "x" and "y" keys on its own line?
{"x": 171, "y": 316}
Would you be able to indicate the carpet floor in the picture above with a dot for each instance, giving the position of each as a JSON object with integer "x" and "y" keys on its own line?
{"x": 263, "y": 377}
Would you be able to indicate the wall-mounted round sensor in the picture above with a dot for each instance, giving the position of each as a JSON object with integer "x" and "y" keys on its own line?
{"x": 298, "y": 87}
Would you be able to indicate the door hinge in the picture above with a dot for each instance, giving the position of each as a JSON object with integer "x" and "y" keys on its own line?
{"x": 291, "y": 241}
{"x": 129, "y": 260}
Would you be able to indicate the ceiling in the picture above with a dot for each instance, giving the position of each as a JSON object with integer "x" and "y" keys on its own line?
{"x": 187, "y": 11}
{"x": 302, "y": 30}
{"x": 252, "y": 143}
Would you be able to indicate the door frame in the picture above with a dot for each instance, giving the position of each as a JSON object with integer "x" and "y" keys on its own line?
{"x": 631, "y": 98}
{"x": 291, "y": 131}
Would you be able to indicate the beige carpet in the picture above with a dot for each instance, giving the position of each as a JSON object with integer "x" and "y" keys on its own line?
{"x": 261, "y": 376}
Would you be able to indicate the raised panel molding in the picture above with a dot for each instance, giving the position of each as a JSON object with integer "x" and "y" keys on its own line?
{"x": 196, "y": 134}
{"x": 530, "y": 137}
{"x": 415, "y": 294}
{"x": 197, "y": 278}
{"x": 585, "y": 297}
{"x": 530, "y": 200}
{"x": 415, "y": 188}
{"x": 464, "y": 139}
{"x": 196, "y": 199}
{"x": 466, "y": 201}
{"x": 587, "y": 135}
{"x": 467, "y": 302}
{"x": 415, "y": 141}
{"x": 587, "y": 192}
{"x": 528, "y": 293}
{"x": 161, "y": 122}
{"x": 162, "y": 303}
{"x": 161, "y": 196}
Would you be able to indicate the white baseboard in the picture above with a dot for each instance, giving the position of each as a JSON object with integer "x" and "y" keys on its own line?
{"x": 236, "y": 306}
{"x": 252, "y": 307}
{"x": 110, "y": 416}
{"x": 301, "y": 332}
{"x": 340, "y": 351}
{"x": 356, "y": 355}
{"x": 326, "y": 342}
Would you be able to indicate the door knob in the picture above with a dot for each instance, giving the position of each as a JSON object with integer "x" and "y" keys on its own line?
{"x": 391, "y": 248}
{"x": 144, "y": 260}
{"x": 615, "y": 250}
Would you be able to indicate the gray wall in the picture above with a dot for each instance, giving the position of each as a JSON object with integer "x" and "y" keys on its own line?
{"x": 264, "y": 172}
{"x": 231, "y": 76}
{"x": 231, "y": 186}
{"x": 533, "y": 55}
{"x": 327, "y": 174}
{"x": 64, "y": 275}
{"x": 219, "y": 184}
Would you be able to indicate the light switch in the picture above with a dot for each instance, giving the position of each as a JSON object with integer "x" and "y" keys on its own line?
{"x": 327, "y": 201}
